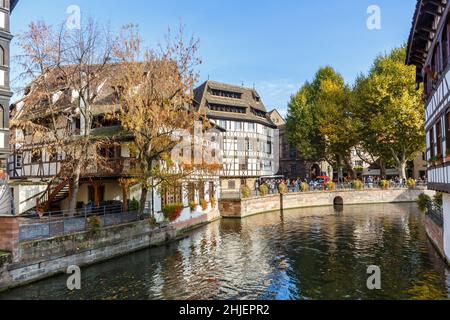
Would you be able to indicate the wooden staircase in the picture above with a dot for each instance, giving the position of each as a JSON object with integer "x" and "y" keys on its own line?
{"x": 58, "y": 190}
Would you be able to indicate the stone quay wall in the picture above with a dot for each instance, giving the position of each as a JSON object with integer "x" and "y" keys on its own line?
{"x": 246, "y": 207}
{"x": 31, "y": 261}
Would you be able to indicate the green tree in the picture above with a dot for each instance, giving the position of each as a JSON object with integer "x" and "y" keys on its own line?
{"x": 321, "y": 121}
{"x": 390, "y": 111}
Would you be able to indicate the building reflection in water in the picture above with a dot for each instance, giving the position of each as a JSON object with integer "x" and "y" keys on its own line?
{"x": 315, "y": 253}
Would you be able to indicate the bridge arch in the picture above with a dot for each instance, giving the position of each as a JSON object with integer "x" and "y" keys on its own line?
{"x": 338, "y": 201}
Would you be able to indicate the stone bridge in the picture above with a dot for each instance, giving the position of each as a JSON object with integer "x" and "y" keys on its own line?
{"x": 247, "y": 207}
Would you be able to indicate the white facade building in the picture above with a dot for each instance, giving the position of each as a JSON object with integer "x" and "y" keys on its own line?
{"x": 250, "y": 143}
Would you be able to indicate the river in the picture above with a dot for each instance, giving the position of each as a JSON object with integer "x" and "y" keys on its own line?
{"x": 317, "y": 253}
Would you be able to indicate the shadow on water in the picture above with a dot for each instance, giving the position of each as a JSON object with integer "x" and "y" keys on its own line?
{"x": 312, "y": 253}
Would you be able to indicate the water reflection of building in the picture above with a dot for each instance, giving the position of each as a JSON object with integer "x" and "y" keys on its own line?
{"x": 429, "y": 50}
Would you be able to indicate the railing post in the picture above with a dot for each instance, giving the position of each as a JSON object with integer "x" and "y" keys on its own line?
{"x": 104, "y": 216}
{"x": 85, "y": 218}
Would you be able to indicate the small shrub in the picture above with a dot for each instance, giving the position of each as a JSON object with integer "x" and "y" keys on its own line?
{"x": 358, "y": 185}
{"x": 173, "y": 211}
{"x": 330, "y": 186}
{"x": 193, "y": 206}
{"x": 282, "y": 188}
{"x": 133, "y": 205}
{"x": 152, "y": 222}
{"x": 304, "y": 187}
{"x": 411, "y": 183}
{"x": 424, "y": 203}
{"x": 94, "y": 224}
{"x": 384, "y": 184}
{"x": 264, "y": 190}
{"x": 204, "y": 204}
{"x": 245, "y": 191}
{"x": 213, "y": 202}
{"x": 437, "y": 200}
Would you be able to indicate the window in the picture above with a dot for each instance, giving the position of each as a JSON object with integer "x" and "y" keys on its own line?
{"x": 191, "y": 192}
{"x": 201, "y": 191}
{"x": 258, "y": 113}
{"x": 226, "y": 94}
{"x": 19, "y": 161}
{"x": 36, "y": 156}
{"x": 2, "y": 117}
{"x": 251, "y": 127}
{"x": 212, "y": 190}
{"x": 432, "y": 143}
{"x": 293, "y": 153}
{"x": 112, "y": 152}
{"x": 269, "y": 147}
{"x": 226, "y": 108}
{"x": 445, "y": 42}
{"x": 436, "y": 63}
{"x": 231, "y": 184}
{"x": 2, "y": 56}
{"x": 439, "y": 138}
{"x": 447, "y": 132}
{"x": 100, "y": 195}
{"x": 171, "y": 195}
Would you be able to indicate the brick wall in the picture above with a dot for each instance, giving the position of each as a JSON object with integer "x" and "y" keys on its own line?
{"x": 9, "y": 234}
{"x": 230, "y": 208}
{"x": 436, "y": 234}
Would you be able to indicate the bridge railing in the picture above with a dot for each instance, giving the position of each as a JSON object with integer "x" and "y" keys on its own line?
{"x": 320, "y": 187}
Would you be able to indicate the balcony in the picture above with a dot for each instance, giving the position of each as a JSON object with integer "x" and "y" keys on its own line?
{"x": 113, "y": 168}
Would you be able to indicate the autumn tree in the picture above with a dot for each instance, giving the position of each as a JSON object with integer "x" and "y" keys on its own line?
{"x": 155, "y": 90}
{"x": 390, "y": 110}
{"x": 64, "y": 71}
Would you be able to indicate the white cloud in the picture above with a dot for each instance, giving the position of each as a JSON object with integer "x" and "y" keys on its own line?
{"x": 276, "y": 94}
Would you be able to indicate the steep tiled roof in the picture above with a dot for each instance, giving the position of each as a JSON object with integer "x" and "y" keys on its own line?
{"x": 250, "y": 100}
{"x": 423, "y": 31}
{"x": 13, "y": 4}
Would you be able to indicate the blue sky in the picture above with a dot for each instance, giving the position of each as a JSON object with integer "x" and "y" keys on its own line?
{"x": 274, "y": 45}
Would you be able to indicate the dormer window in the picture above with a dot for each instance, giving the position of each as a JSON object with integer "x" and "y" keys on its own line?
{"x": 225, "y": 108}
{"x": 256, "y": 97}
{"x": 226, "y": 94}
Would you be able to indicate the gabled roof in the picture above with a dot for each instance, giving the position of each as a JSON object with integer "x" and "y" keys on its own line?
{"x": 279, "y": 119}
{"x": 13, "y": 5}
{"x": 423, "y": 31}
{"x": 250, "y": 100}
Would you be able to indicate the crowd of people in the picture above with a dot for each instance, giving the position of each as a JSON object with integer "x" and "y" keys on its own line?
{"x": 295, "y": 185}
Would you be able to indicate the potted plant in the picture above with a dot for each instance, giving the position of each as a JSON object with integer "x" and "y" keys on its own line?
{"x": 204, "y": 204}
{"x": 172, "y": 211}
{"x": 447, "y": 155}
{"x": 304, "y": 187}
{"x": 384, "y": 184}
{"x": 439, "y": 159}
{"x": 264, "y": 190}
{"x": 358, "y": 185}
{"x": 282, "y": 188}
{"x": 330, "y": 186}
{"x": 411, "y": 183}
{"x": 213, "y": 202}
{"x": 193, "y": 205}
{"x": 94, "y": 224}
{"x": 245, "y": 191}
